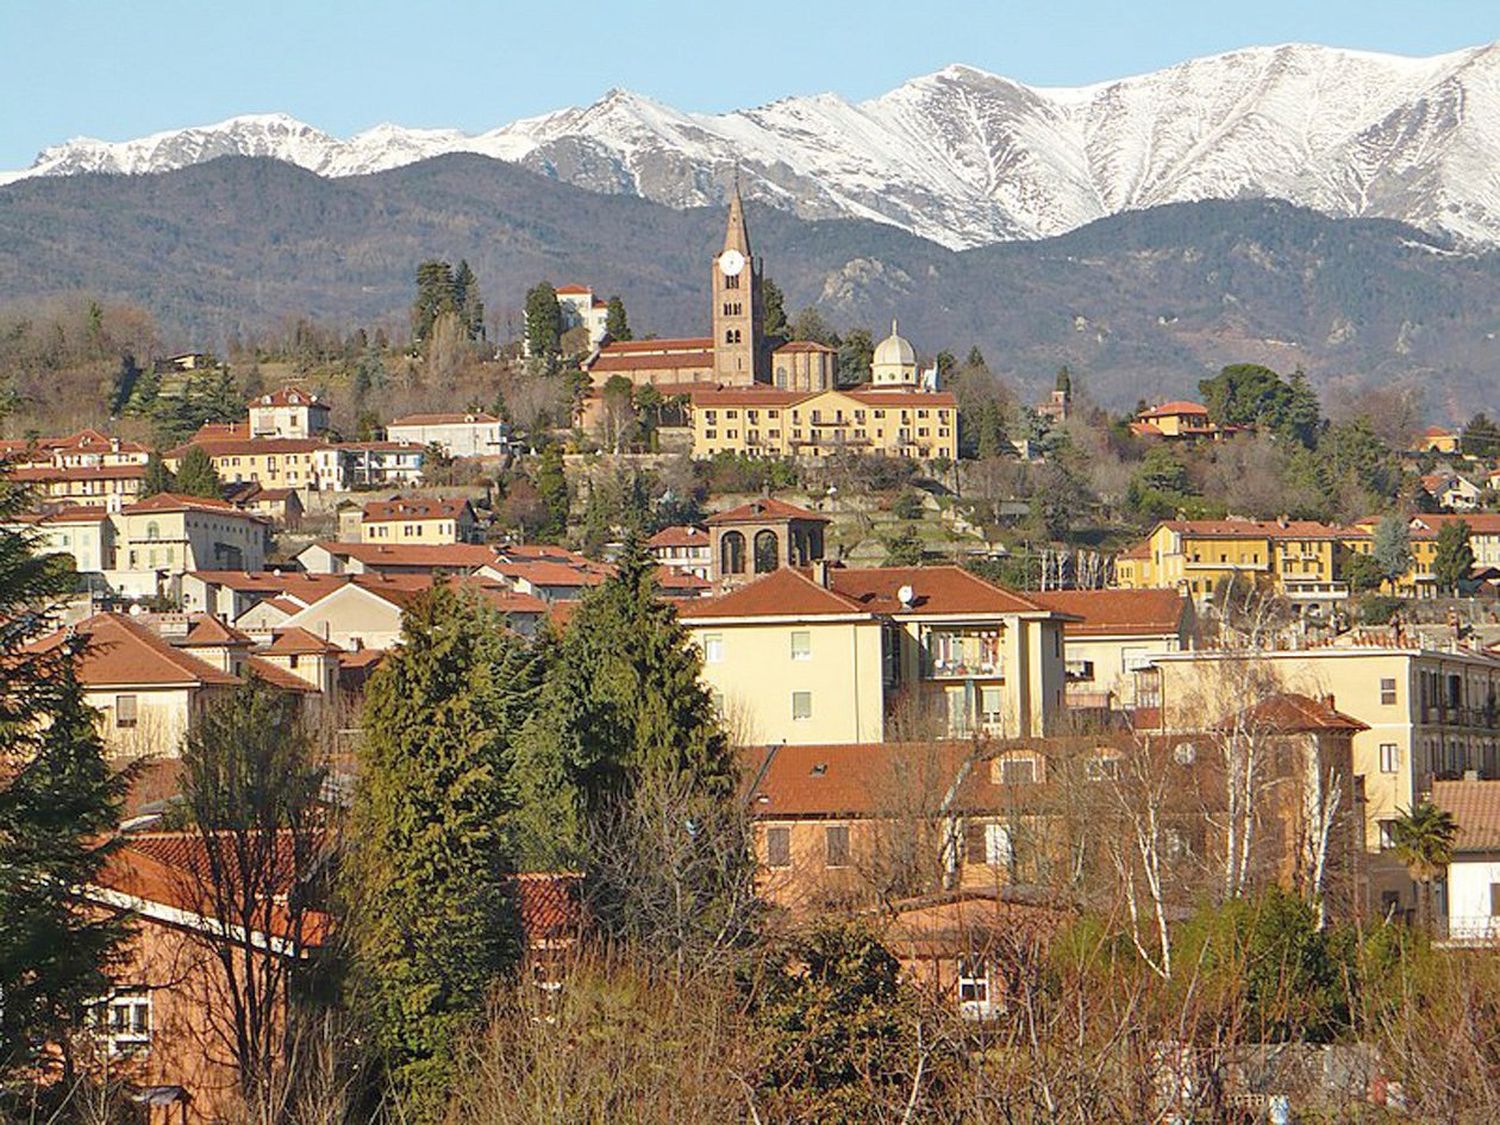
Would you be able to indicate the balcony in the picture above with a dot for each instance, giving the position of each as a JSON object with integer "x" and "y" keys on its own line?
{"x": 961, "y": 654}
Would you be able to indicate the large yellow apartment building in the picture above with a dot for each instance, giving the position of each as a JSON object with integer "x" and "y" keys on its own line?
{"x": 1297, "y": 558}
{"x": 773, "y": 423}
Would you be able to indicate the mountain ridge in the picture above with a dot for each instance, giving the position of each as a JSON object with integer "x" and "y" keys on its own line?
{"x": 965, "y": 157}
{"x": 1139, "y": 305}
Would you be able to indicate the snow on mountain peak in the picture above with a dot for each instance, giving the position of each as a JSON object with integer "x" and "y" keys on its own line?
{"x": 967, "y": 157}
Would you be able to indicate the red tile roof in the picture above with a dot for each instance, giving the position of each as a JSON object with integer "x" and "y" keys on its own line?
{"x": 766, "y": 509}
{"x": 245, "y": 446}
{"x": 717, "y": 397}
{"x": 683, "y": 535}
{"x": 176, "y": 502}
{"x": 297, "y": 640}
{"x": 672, "y": 361}
{"x": 287, "y": 396}
{"x": 1178, "y": 406}
{"x": 1475, "y": 805}
{"x": 120, "y": 653}
{"x": 1237, "y": 528}
{"x": 851, "y": 779}
{"x": 210, "y": 632}
{"x": 550, "y": 905}
{"x": 548, "y": 573}
{"x": 43, "y": 474}
{"x": 1116, "y": 612}
{"x": 681, "y": 343}
{"x": 782, "y": 593}
{"x": 1294, "y": 713}
{"x": 279, "y": 677}
{"x": 898, "y": 398}
{"x": 936, "y": 589}
{"x": 461, "y": 556}
{"x": 572, "y": 289}
{"x": 805, "y": 346}
{"x": 399, "y": 508}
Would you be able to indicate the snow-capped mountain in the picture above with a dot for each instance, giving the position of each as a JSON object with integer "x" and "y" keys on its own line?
{"x": 966, "y": 158}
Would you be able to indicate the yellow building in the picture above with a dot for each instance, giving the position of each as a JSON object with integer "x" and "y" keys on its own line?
{"x": 1421, "y": 581}
{"x": 1299, "y": 559}
{"x": 171, "y": 534}
{"x": 411, "y": 519}
{"x": 852, "y": 655}
{"x": 771, "y": 423}
{"x": 304, "y": 463}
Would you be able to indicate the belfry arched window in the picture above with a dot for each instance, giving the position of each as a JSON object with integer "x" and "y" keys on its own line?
{"x": 732, "y": 553}
{"x": 767, "y": 552}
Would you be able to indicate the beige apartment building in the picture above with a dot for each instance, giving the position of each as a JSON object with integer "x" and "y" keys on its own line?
{"x": 1431, "y": 715}
{"x": 290, "y": 412}
{"x": 838, "y": 655}
{"x": 174, "y": 534}
{"x": 271, "y": 462}
{"x": 409, "y": 519}
{"x": 85, "y": 534}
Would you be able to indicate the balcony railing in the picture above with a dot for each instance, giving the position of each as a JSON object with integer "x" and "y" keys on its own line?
{"x": 1481, "y": 929}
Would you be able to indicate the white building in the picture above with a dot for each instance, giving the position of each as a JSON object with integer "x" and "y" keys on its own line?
{"x": 1468, "y": 900}
{"x": 289, "y": 412}
{"x": 580, "y": 308}
{"x": 458, "y": 435}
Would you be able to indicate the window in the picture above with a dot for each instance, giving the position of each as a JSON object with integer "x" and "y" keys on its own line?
{"x": 1388, "y": 691}
{"x": 997, "y": 845}
{"x": 125, "y": 1018}
{"x": 801, "y": 644}
{"x": 767, "y": 552}
{"x": 1105, "y": 767}
{"x": 1387, "y": 835}
{"x": 973, "y": 988}
{"x": 990, "y": 705}
{"x": 778, "y": 847}
{"x": 732, "y": 553}
{"x": 801, "y": 705}
{"x": 836, "y": 845}
{"x": 1018, "y": 771}
{"x": 125, "y": 712}
{"x": 713, "y": 648}
{"x": 1390, "y": 757}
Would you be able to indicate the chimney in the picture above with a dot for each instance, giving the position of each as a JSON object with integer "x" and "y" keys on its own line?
{"x": 1283, "y": 520}
{"x": 820, "y": 572}
{"x": 1328, "y": 702}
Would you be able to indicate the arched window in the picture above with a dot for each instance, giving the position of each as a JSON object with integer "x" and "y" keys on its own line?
{"x": 767, "y": 552}
{"x": 152, "y": 531}
{"x": 781, "y": 378}
{"x": 732, "y": 553}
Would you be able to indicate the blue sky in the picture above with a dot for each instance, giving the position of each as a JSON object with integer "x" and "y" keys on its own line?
{"x": 123, "y": 68}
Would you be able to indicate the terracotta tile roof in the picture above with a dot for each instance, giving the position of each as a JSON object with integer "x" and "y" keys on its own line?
{"x": 560, "y": 613}
{"x": 782, "y": 593}
{"x": 171, "y": 869}
{"x": 683, "y": 535}
{"x": 1438, "y": 431}
{"x": 548, "y": 573}
{"x": 680, "y": 343}
{"x": 937, "y": 590}
{"x": 361, "y": 658}
{"x": 176, "y": 502}
{"x": 805, "y": 346}
{"x": 995, "y": 921}
{"x": 285, "y": 605}
{"x": 271, "y": 495}
{"x": 1480, "y": 523}
{"x": 764, "y": 510}
{"x": 1257, "y": 529}
{"x": 298, "y": 640}
{"x": 1179, "y": 406}
{"x": 90, "y": 440}
{"x": 287, "y": 396}
{"x": 279, "y": 677}
{"x": 459, "y": 556}
{"x": 574, "y": 290}
{"x": 672, "y": 361}
{"x": 120, "y": 653}
{"x": 550, "y": 905}
{"x": 718, "y": 397}
{"x": 680, "y": 581}
{"x": 382, "y": 446}
{"x": 219, "y": 430}
{"x": 896, "y": 397}
{"x": 305, "y": 587}
{"x": 522, "y": 552}
{"x": 248, "y": 446}
{"x": 848, "y": 780}
{"x": 209, "y": 632}
{"x": 43, "y": 474}
{"x": 399, "y": 508}
{"x": 1116, "y": 612}
{"x": 1139, "y": 551}
{"x": 74, "y": 514}
{"x": 1294, "y": 713}
{"x": 1475, "y": 805}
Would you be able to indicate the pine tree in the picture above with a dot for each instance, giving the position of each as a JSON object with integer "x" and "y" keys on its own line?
{"x": 543, "y": 322}
{"x": 1392, "y": 547}
{"x": 552, "y": 483}
{"x": 467, "y": 302}
{"x": 616, "y": 324}
{"x": 196, "y": 475}
{"x": 773, "y": 309}
{"x": 158, "y": 477}
{"x": 1453, "y": 559}
{"x": 435, "y": 290}
{"x": 433, "y": 923}
{"x": 54, "y": 808}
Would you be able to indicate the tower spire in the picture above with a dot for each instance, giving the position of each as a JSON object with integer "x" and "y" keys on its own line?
{"x": 736, "y": 234}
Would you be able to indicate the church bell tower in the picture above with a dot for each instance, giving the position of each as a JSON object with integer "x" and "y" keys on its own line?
{"x": 739, "y": 343}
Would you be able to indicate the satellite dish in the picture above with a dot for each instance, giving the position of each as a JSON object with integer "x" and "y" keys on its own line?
{"x": 907, "y": 595}
{"x": 1184, "y": 753}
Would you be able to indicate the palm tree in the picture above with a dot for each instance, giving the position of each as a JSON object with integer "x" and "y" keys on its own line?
{"x": 1423, "y": 838}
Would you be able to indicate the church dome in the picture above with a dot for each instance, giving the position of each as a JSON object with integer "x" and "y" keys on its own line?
{"x": 895, "y": 351}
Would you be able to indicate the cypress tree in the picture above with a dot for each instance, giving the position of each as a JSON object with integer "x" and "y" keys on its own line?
{"x": 433, "y": 924}
{"x": 615, "y": 322}
{"x": 552, "y": 483}
{"x": 543, "y": 322}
